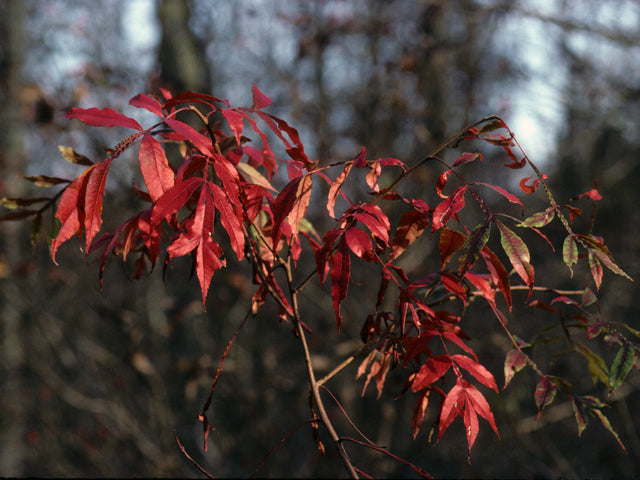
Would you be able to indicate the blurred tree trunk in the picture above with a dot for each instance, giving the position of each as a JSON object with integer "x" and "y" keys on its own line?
{"x": 13, "y": 416}
{"x": 181, "y": 57}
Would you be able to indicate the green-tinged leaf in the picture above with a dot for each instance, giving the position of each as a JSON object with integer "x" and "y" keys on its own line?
{"x": 254, "y": 176}
{"x": 15, "y": 203}
{"x": 539, "y": 219}
{"x": 515, "y": 361}
{"x": 473, "y": 245}
{"x": 588, "y": 298}
{"x": 579, "y": 413}
{"x": 605, "y": 422}
{"x": 545, "y": 393}
{"x": 596, "y": 270}
{"x": 72, "y": 156}
{"x": 570, "y": 252}
{"x": 491, "y": 126}
{"x": 622, "y": 365}
{"x": 609, "y": 263}
{"x": 597, "y": 368}
{"x": 18, "y": 215}
{"x": 632, "y": 330}
{"x": 45, "y": 180}
{"x": 517, "y": 252}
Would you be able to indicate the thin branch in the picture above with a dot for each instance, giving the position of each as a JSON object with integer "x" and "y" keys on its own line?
{"x": 346, "y": 362}
{"x": 184, "y": 451}
{"x": 315, "y": 389}
{"x": 415, "y": 468}
{"x": 347, "y": 416}
{"x": 282, "y": 440}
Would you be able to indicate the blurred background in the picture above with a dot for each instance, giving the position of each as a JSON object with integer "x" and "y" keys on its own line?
{"x": 94, "y": 383}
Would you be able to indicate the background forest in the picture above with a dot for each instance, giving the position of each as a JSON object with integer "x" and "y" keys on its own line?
{"x": 94, "y": 383}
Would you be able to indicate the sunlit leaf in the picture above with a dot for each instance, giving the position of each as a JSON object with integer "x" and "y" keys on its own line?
{"x": 105, "y": 117}
{"x": 72, "y": 156}
{"x": 157, "y": 174}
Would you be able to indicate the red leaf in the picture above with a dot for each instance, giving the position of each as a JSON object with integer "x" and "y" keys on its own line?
{"x": 450, "y": 242}
{"x": 499, "y": 274}
{"x": 471, "y": 424}
{"x": 231, "y": 223}
{"x": 451, "y": 407}
{"x": 441, "y": 183}
{"x": 513, "y": 363}
{"x": 518, "y": 254}
{"x": 260, "y": 100}
{"x": 545, "y": 393}
{"x": 174, "y": 198}
{"x": 530, "y": 188}
{"x": 593, "y": 194}
{"x": 452, "y": 283}
{"x": 292, "y": 201}
{"x": 473, "y": 245}
{"x": 359, "y": 242}
{"x": 148, "y": 103}
{"x": 157, "y": 174}
{"x": 466, "y": 158}
{"x": 596, "y": 270}
{"x": 340, "y": 274}
{"x": 448, "y": 208}
{"x": 373, "y": 175}
{"x": 430, "y": 371}
{"x": 480, "y": 404}
{"x": 335, "y": 189}
{"x": 268, "y": 157}
{"x": 453, "y": 337}
{"x": 360, "y": 161}
{"x": 209, "y": 253}
{"x": 97, "y": 178}
{"x": 481, "y": 283}
{"x": 234, "y": 119}
{"x": 411, "y": 226}
{"x": 68, "y": 212}
{"x": 508, "y": 195}
{"x": 187, "y": 132}
{"x": 419, "y": 411}
{"x": 376, "y": 220}
{"x": 478, "y": 371}
{"x": 298, "y": 155}
{"x": 105, "y": 117}
{"x": 190, "y": 97}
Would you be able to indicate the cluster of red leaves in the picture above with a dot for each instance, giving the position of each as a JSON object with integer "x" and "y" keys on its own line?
{"x": 225, "y": 185}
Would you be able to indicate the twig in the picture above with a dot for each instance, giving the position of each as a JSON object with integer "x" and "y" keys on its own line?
{"x": 315, "y": 388}
{"x": 184, "y": 451}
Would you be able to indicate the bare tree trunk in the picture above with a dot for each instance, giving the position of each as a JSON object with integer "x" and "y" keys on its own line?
{"x": 13, "y": 414}
{"x": 182, "y": 59}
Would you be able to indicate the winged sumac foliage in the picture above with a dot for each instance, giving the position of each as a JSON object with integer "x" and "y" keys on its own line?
{"x": 227, "y": 196}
